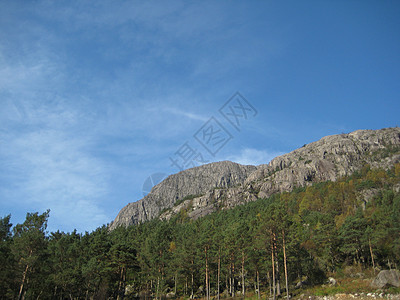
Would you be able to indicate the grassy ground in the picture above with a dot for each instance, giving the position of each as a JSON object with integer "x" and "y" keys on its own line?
{"x": 351, "y": 283}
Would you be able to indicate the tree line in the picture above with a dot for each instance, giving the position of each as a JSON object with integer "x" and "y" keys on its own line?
{"x": 266, "y": 246}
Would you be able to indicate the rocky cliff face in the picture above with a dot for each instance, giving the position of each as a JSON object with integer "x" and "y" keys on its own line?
{"x": 224, "y": 185}
{"x": 196, "y": 181}
{"x": 327, "y": 159}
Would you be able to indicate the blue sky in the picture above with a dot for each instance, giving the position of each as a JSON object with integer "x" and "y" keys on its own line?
{"x": 97, "y": 96}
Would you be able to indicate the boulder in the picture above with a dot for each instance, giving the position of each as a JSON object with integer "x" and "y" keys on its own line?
{"x": 386, "y": 278}
{"x": 301, "y": 283}
{"x": 332, "y": 281}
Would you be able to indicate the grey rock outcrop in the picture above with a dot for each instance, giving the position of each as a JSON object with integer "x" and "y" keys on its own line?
{"x": 327, "y": 159}
{"x": 194, "y": 181}
{"x": 332, "y": 281}
{"x": 224, "y": 185}
{"x": 386, "y": 278}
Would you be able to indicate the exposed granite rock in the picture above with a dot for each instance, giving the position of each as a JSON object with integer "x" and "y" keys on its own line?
{"x": 224, "y": 185}
{"x": 194, "y": 181}
{"x": 327, "y": 159}
{"x": 386, "y": 278}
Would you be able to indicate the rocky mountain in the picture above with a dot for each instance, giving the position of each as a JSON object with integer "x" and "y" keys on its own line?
{"x": 189, "y": 183}
{"x": 202, "y": 190}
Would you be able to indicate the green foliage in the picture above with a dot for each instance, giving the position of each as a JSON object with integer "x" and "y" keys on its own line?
{"x": 7, "y": 262}
{"x": 389, "y": 150}
{"x": 324, "y": 226}
{"x": 188, "y": 197}
{"x": 29, "y": 248}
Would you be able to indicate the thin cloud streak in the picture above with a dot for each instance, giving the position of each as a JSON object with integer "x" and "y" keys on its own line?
{"x": 97, "y": 97}
{"x": 73, "y": 120}
{"x": 255, "y": 157}
{"x": 49, "y": 165}
{"x": 189, "y": 115}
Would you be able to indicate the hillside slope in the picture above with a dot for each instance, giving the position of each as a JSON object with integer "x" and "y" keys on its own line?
{"x": 224, "y": 185}
{"x": 194, "y": 181}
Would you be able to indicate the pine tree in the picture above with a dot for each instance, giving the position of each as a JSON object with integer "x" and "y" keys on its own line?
{"x": 29, "y": 246}
{"x": 6, "y": 259}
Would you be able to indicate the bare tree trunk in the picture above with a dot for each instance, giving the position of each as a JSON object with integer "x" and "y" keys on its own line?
{"x": 123, "y": 283}
{"x": 192, "y": 283}
{"x": 233, "y": 278}
{"x": 285, "y": 265}
{"x": 273, "y": 273}
{"x": 151, "y": 287}
{"x": 21, "y": 289}
{"x": 176, "y": 278}
{"x": 38, "y": 297}
{"x": 158, "y": 286}
{"x": 209, "y": 285}
{"x": 230, "y": 279}
{"x": 269, "y": 283}
{"x": 226, "y": 282}
{"x": 219, "y": 271}
{"x": 258, "y": 285}
{"x": 192, "y": 295}
{"x": 278, "y": 285}
{"x": 372, "y": 255}
{"x": 207, "y": 291}
{"x": 186, "y": 286}
{"x": 120, "y": 284}
{"x": 243, "y": 287}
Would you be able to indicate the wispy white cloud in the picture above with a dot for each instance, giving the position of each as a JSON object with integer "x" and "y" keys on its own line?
{"x": 49, "y": 165}
{"x": 46, "y": 149}
{"x": 250, "y": 156}
{"x": 186, "y": 114}
{"x": 93, "y": 91}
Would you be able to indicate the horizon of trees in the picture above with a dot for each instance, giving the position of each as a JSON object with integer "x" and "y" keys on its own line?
{"x": 268, "y": 245}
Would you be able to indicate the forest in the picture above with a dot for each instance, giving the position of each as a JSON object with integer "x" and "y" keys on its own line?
{"x": 270, "y": 247}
